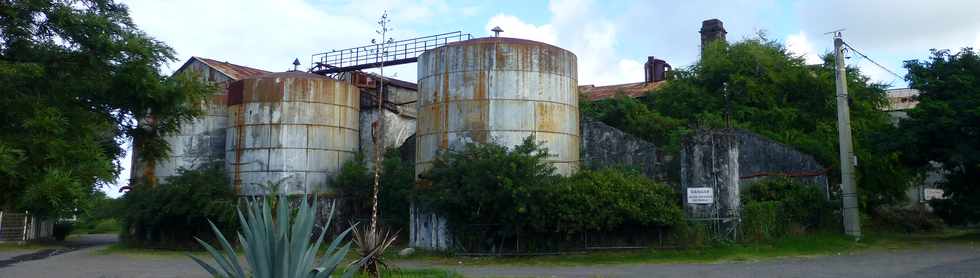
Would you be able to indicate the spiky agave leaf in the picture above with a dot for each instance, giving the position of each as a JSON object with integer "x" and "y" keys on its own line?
{"x": 277, "y": 244}
{"x": 371, "y": 246}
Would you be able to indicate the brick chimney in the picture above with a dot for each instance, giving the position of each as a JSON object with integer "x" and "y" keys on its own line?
{"x": 711, "y": 30}
{"x": 655, "y": 70}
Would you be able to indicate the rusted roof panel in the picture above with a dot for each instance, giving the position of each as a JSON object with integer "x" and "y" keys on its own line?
{"x": 634, "y": 90}
{"x": 236, "y": 72}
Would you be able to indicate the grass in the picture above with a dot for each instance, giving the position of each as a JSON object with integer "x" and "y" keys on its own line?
{"x": 123, "y": 249}
{"x": 820, "y": 244}
{"x": 104, "y": 226}
{"x": 30, "y": 246}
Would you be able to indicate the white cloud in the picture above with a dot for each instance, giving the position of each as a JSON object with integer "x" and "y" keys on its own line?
{"x": 470, "y": 11}
{"x": 799, "y": 45}
{"x": 894, "y": 25}
{"x": 516, "y": 28}
{"x": 594, "y": 42}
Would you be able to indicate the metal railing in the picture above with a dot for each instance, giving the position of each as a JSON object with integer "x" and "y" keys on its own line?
{"x": 374, "y": 55}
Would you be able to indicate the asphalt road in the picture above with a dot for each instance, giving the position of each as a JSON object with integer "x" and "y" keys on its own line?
{"x": 938, "y": 261}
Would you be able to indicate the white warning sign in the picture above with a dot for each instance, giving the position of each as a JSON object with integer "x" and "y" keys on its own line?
{"x": 700, "y": 195}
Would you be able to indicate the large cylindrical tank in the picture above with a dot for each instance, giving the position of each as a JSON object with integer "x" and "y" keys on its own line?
{"x": 499, "y": 90}
{"x": 292, "y": 128}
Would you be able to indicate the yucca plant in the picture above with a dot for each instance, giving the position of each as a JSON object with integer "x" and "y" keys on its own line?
{"x": 277, "y": 245}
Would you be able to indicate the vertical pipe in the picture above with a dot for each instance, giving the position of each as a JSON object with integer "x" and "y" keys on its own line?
{"x": 849, "y": 198}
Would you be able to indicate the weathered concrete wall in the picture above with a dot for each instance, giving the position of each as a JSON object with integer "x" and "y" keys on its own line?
{"x": 604, "y": 145}
{"x": 759, "y": 157}
{"x": 398, "y": 128}
{"x": 198, "y": 142}
{"x": 709, "y": 158}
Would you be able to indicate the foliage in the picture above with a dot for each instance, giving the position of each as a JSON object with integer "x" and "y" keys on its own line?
{"x": 516, "y": 192}
{"x": 761, "y": 222}
{"x": 353, "y": 186}
{"x": 907, "y": 219}
{"x": 608, "y": 199}
{"x": 74, "y": 75}
{"x": 773, "y": 93}
{"x": 489, "y": 184}
{"x": 99, "y": 214}
{"x": 775, "y": 207}
{"x": 634, "y": 117}
{"x": 277, "y": 245}
{"x": 945, "y": 127}
{"x": 799, "y": 203}
{"x": 172, "y": 213}
{"x": 371, "y": 247}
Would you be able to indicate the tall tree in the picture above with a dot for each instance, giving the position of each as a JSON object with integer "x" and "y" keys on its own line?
{"x": 945, "y": 128}
{"x": 74, "y": 74}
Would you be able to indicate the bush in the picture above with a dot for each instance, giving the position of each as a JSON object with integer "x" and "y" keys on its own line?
{"x": 609, "y": 199}
{"x": 761, "y": 221}
{"x": 353, "y": 185}
{"x": 171, "y": 214}
{"x": 506, "y": 193}
{"x": 907, "y": 219}
{"x": 799, "y": 203}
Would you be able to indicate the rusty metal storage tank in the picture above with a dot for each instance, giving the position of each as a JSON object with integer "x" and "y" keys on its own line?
{"x": 498, "y": 90}
{"x": 292, "y": 128}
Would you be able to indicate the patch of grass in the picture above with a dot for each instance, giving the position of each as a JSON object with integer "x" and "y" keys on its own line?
{"x": 104, "y": 226}
{"x": 123, "y": 249}
{"x": 30, "y": 246}
{"x": 817, "y": 244}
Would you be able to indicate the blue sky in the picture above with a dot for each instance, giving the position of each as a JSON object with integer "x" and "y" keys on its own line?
{"x": 610, "y": 38}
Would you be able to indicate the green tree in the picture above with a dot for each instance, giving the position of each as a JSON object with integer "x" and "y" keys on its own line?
{"x": 774, "y": 93}
{"x": 74, "y": 75}
{"x": 945, "y": 128}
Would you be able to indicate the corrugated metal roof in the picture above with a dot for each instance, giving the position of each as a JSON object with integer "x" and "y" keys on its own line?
{"x": 634, "y": 90}
{"x": 233, "y": 71}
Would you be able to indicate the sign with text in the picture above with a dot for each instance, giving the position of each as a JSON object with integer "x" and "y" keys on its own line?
{"x": 932, "y": 194}
{"x": 700, "y": 195}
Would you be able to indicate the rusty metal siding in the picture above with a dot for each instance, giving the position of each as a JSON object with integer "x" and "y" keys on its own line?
{"x": 498, "y": 90}
{"x": 293, "y": 128}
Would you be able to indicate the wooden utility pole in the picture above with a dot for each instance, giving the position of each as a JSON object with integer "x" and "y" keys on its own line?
{"x": 849, "y": 197}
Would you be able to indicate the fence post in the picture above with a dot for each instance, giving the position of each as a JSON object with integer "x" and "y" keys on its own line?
{"x": 24, "y": 233}
{"x": 1, "y": 225}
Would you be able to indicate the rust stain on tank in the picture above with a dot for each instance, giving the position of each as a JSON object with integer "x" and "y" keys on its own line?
{"x": 545, "y": 116}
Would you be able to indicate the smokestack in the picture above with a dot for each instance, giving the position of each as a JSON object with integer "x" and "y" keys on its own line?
{"x": 711, "y": 30}
{"x": 655, "y": 70}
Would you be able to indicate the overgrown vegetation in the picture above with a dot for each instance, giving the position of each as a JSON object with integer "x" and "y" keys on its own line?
{"x": 945, "y": 128}
{"x": 74, "y": 76}
{"x": 771, "y": 92}
{"x": 499, "y": 193}
{"x": 171, "y": 214}
{"x": 776, "y": 207}
{"x": 353, "y": 185}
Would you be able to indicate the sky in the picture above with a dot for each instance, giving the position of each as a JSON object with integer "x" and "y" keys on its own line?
{"x": 610, "y": 38}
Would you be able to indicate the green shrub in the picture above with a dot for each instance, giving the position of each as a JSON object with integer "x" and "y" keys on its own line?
{"x": 608, "y": 199}
{"x": 171, "y": 214}
{"x": 799, "y": 203}
{"x": 761, "y": 221}
{"x": 353, "y": 185}
{"x": 907, "y": 219}
{"x": 515, "y": 192}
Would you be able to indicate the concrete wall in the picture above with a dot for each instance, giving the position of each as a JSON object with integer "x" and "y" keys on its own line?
{"x": 709, "y": 159}
{"x": 198, "y": 142}
{"x": 604, "y": 145}
{"x": 759, "y": 157}
{"x": 398, "y": 128}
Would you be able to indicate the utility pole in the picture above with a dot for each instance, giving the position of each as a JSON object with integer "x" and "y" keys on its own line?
{"x": 849, "y": 198}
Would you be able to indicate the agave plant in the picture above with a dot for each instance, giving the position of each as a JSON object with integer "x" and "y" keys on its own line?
{"x": 371, "y": 245}
{"x": 277, "y": 246}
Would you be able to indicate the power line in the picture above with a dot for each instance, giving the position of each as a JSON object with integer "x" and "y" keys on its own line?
{"x": 872, "y": 61}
